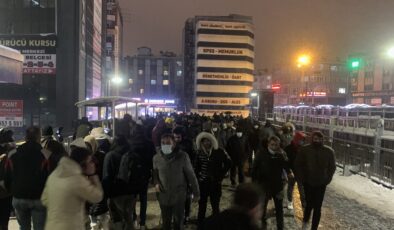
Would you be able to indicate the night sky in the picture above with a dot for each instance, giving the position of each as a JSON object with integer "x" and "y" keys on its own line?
{"x": 325, "y": 28}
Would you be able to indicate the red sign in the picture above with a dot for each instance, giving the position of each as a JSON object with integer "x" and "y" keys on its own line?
{"x": 11, "y": 113}
{"x": 275, "y": 86}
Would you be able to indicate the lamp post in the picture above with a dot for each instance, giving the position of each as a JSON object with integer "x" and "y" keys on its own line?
{"x": 116, "y": 80}
{"x": 302, "y": 61}
{"x": 255, "y": 95}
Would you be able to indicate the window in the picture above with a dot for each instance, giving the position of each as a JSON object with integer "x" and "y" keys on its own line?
{"x": 140, "y": 72}
{"x": 179, "y": 63}
{"x": 165, "y": 72}
{"x": 141, "y": 91}
{"x": 153, "y": 82}
{"x": 179, "y": 73}
{"x": 334, "y": 68}
{"x": 166, "y": 82}
{"x": 130, "y": 81}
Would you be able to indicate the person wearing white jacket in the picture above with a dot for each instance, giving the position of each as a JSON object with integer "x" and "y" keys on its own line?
{"x": 73, "y": 183}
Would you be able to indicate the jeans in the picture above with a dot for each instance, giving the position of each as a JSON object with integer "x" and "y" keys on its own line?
{"x": 240, "y": 167}
{"x": 278, "y": 201}
{"x": 314, "y": 200}
{"x": 121, "y": 210}
{"x": 143, "y": 195}
{"x": 175, "y": 211}
{"x": 27, "y": 210}
{"x": 214, "y": 192}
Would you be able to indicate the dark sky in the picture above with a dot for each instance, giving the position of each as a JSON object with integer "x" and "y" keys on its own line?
{"x": 325, "y": 28}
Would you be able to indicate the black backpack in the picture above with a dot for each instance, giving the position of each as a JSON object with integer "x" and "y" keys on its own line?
{"x": 132, "y": 172}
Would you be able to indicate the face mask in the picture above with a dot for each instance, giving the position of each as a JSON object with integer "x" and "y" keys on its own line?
{"x": 239, "y": 134}
{"x": 214, "y": 129}
{"x": 256, "y": 126}
{"x": 166, "y": 149}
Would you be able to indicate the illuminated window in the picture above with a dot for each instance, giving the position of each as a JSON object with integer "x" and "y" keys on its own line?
{"x": 179, "y": 63}
{"x": 141, "y": 91}
{"x": 179, "y": 73}
{"x": 334, "y": 68}
{"x": 153, "y": 82}
{"x": 165, "y": 72}
{"x": 140, "y": 72}
{"x": 166, "y": 82}
{"x": 130, "y": 81}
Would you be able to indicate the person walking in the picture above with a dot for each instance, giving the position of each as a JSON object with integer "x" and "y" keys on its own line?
{"x": 211, "y": 165}
{"x": 73, "y": 183}
{"x": 238, "y": 148}
{"x": 315, "y": 167}
{"x": 26, "y": 175}
{"x": 172, "y": 172}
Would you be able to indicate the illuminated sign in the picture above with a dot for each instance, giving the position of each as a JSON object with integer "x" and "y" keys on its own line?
{"x": 159, "y": 101}
{"x": 11, "y": 113}
{"x": 225, "y": 76}
{"x": 211, "y": 112}
{"x": 275, "y": 86}
{"x": 222, "y": 101}
{"x": 225, "y": 51}
{"x": 313, "y": 94}
{"x": 224, "y": 25}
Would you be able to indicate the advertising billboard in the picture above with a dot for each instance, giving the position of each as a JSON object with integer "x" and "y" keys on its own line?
{"x": 11, "y": 113}
{"x": 39, "y": 51}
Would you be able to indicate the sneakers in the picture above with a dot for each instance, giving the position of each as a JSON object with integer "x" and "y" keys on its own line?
{"x": 290, "y": 206}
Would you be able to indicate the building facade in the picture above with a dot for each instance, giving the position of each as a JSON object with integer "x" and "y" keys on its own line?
{"x": 155, "y": 78}
{"x": 113, "y": 45}
{"x": 373, "y": 82}
{"x": 324, "y": 82}
{"x": 219, "y": 64}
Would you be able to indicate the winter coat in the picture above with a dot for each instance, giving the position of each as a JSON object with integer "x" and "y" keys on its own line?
{"x": 230, "y": 219}
{"x": 238, "y": 149}
{"x": 112, "y": 159}
{"x": 268, "y": 170}
{"x": 6, "y": 152}
{"x": 255, "y": 138}
{"x": 315, "y": 166}
{"x": 292, "y": 149}
{"x": 157, "y": 131}
{"x": 26, "y": 173}
{"x": 65, "y": 194}
{"x": 211, "y": 167}
{"x": 187, "y": 146}
{"x": 220, "y": 136}
{"x": 173, "y": 173}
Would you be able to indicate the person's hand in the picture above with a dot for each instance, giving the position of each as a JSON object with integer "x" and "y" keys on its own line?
{"x": 157, "y": 188}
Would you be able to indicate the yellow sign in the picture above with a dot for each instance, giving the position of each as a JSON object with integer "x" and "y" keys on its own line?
{"x": 222, "y": 101}
{"x": 210, "y": 112}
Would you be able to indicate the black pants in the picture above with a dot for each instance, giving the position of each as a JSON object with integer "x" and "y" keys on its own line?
{"x": 237, "y": 166}
{"x": 188, "y": 202}
{"x": 143, "y": 195}
{"x": 314, "y": 196}
{"x": 278, "y": 201}
{"x": 5, "y": 211}
{"x": 212, "y": 190}
{"x": 174, "y": 212}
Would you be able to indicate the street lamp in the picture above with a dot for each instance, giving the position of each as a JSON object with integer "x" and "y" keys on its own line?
{"x": 116, "y": 80}
{"x": 390, "y": 52}
{"x": 302, "y": 61}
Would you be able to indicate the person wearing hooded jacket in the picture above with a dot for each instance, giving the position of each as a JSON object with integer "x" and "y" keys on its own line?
{"x": 97, "y": 212}
{"x": 291, "y": 152}
{"x": 73, "y": 183}
{"x": 314, "y": 167}
{"x": 211, "y": 165}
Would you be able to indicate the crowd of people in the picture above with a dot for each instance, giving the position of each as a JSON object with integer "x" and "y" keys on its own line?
{"x": 97, "y": 183}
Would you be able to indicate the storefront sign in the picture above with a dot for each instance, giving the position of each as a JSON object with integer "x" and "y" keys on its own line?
{"x": 11, "y": 113}
{"x": 224, "y": 25}
{"x": 39, "y": 52}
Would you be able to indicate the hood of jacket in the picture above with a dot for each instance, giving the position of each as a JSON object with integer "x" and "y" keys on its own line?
{"x": 298, "y": 136}
{"x": 67, "y": 167}
{"x": 208, "y": 136}
{"x": 92, "y": 141}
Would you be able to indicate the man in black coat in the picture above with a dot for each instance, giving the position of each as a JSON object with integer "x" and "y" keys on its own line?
{"x": 268, "y": 171}
{"x": 211, "y": 165}
{"x": 238, "y": 148}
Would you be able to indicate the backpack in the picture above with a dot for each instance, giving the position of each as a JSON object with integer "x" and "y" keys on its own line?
{"x": 132, "y": 173}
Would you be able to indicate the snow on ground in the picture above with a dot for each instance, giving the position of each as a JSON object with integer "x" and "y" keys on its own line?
{"x": 364, "y": 191}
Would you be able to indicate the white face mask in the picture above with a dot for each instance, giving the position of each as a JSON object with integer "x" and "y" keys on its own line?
{"x": 239, "y": 134}
{"x": 166, "y": 149}
{"x": 214, "y": 129}
{"x": 256, "y": 126}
